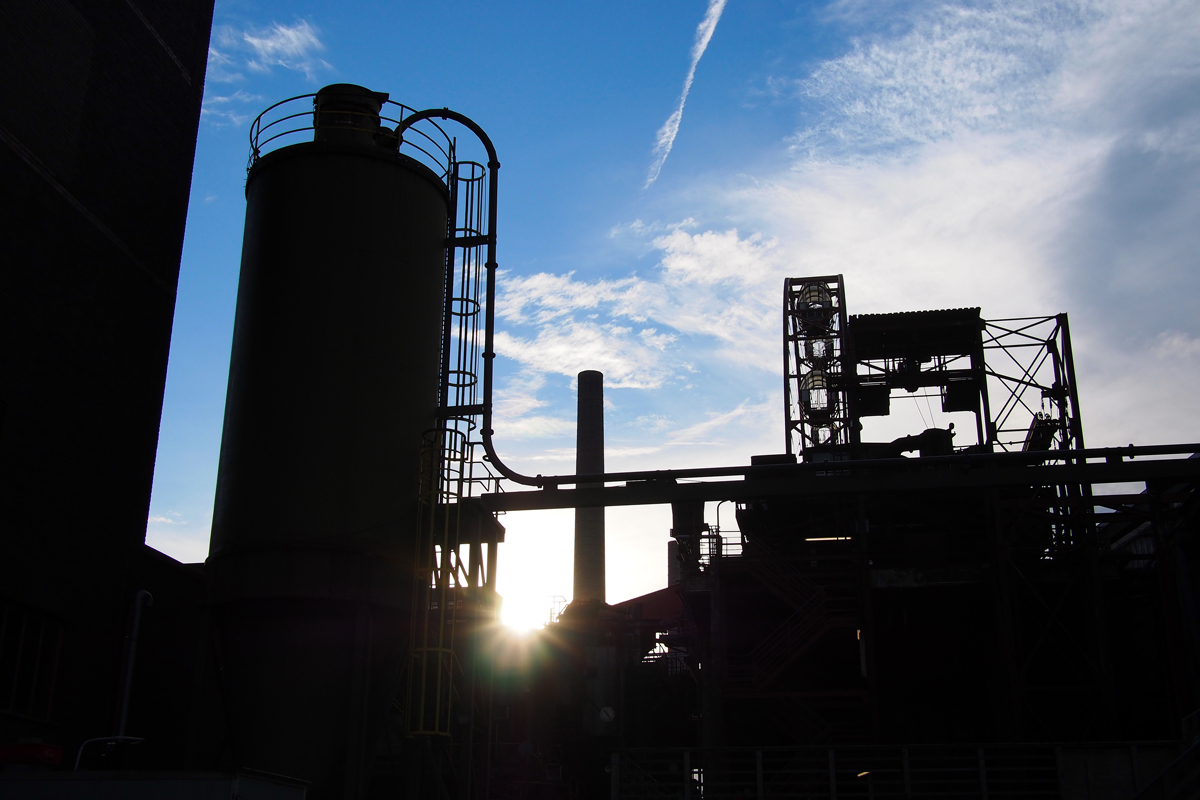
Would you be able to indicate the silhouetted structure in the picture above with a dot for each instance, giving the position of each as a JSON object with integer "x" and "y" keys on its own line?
{"x": 975, "y": 621}
{"x": 101, "y": 102}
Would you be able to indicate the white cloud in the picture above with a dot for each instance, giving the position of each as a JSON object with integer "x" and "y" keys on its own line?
{"x": 641, "y": 229}
{"x": 555, "y": 296}
{"x": 1176, "y": 345}
{"x": 982, "y": 68}
{"x": 519, "y": 395}
{"x": 535, "y": 427}
{"x": 704, "y": 433}
{"x": 221, "y": 68}
{"x": 626, "y": 359}
{"x": 232, "y": 109}
{"x": 723, "y": 286}
{"x": 169, "y": 518}
{"x": 718, "y": 287}
{"x": 236, "y": 50}
{"x": 665, "y": 139}
{"x": 294, "y": 47}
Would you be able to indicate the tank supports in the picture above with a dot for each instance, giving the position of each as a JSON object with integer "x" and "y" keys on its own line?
{"x": 589, "y": 460}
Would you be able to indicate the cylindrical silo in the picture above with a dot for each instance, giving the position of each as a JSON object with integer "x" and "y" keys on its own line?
{"x": 332, "y": 381}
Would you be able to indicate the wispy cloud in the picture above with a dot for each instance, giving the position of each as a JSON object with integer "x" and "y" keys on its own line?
{"x": 959, "y": 68}
{"x": 234, "y": 52}
{"x": 221, "y": 68}
{"x": 537, "y": 426}
{"x": 232, "y": 109}
{"x": 641, "y": 229}
{"x": 544, "y": 296}
{"x": 665, "y": 139}
{"x": 169, "y": 518}
{"x": 703, "y": 432}
{"x": 629, "y": 358}
{"x": 293, "y": 47}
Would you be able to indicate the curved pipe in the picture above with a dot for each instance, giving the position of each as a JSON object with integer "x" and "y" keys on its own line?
{"x": 489, "y": 323}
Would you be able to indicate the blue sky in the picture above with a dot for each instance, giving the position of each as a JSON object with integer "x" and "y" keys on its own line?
{"x": 1025, "y": 157}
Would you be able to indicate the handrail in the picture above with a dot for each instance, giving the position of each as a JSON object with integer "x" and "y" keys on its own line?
{"x": 265, "y": 129}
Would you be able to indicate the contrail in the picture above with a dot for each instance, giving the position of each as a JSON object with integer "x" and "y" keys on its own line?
{"x": 666, "y": 134}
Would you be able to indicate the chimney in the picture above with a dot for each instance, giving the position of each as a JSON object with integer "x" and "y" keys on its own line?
{"x": 589, "y": 460}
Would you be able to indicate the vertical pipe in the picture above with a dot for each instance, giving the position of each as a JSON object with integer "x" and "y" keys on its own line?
{"x": 489, "y": 577}
{"x": 589, "y": 460}
{"x": 130, "y": 652}
{"x": 758, "y": 771}
{"x": 787, "y": 379}
{"x": 615, "y": 785}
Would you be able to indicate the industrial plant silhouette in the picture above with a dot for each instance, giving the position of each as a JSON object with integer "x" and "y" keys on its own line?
{"x": 982, "y": 612}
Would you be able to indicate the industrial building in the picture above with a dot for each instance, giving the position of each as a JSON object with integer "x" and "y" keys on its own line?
{"x": 98, "y": 121}
{"x": 997, "y": 614}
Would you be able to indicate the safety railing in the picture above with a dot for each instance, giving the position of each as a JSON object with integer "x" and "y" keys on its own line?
{"x": 959, "y": 771}
{"x": 294, "y": 120}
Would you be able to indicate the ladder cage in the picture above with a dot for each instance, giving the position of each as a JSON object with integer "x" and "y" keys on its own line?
{"x": 451, "y": 587}
{"x": 816, "y": 411}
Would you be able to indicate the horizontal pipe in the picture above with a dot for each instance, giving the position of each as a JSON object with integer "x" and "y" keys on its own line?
{"x": 848, "y": 477}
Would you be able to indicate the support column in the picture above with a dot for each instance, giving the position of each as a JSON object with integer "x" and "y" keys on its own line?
{"x": 589, "y": 460}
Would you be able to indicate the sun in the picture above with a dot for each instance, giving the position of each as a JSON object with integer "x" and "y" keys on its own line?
{"x": 524, "y": 613}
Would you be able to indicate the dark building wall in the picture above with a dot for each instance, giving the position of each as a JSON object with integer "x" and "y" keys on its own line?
{"x": 99, "y": 108}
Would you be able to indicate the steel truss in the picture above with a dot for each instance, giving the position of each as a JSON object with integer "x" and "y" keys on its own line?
{"x": 1018, "y": 377}
{"x": 1032, "y": 398}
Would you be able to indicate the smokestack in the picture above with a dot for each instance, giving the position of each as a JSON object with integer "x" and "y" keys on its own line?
{"x": 589, "y": 460}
